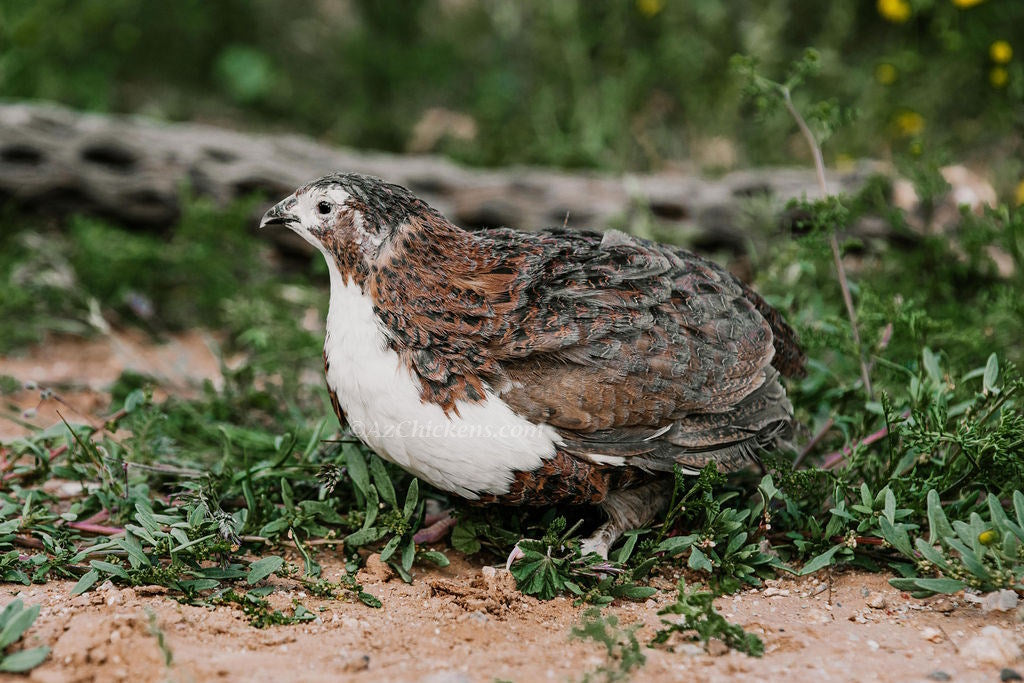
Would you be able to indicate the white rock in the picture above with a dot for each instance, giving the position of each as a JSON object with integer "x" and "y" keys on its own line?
{"x": 995, "y": 645}
{"x": 876, "y": 601}
{"x": 932, "y": 634}
{"x": 1001, "y": 601}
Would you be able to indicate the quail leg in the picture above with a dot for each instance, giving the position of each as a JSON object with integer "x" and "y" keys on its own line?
{"x": 627, "y": 509}
{"x": 437, "y": 523}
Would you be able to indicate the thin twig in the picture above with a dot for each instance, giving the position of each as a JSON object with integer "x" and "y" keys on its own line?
{"x": 833, "y": 459}
{"x": 825, "y": 428}
{"x": 844, "y": 285}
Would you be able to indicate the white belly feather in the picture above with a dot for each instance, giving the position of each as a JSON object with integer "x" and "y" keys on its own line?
{"x": 474, "y": 452}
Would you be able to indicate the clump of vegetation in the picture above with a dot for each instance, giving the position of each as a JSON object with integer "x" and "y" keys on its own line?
{"x": 622, "y": 649}
{"x": 696, "y": 617}
{"x": 15, "y": 619}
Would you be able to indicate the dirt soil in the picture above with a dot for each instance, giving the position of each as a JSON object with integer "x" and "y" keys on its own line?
{"x": 467, "y": 622}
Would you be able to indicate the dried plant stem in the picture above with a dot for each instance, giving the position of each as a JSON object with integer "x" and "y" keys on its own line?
{"x": 844, "y": 285}
{"x": 825, "y": 428}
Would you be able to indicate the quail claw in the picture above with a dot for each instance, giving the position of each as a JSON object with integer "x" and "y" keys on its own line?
{"x": 514, "y": 556}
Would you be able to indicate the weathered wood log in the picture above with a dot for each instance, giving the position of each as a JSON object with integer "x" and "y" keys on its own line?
{"x": 137, "y": 170}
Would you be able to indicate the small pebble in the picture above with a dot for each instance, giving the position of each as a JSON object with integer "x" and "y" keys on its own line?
{"x": 932, "y": 634}
{"x": 1009, "y": 675}
{"x": 716, "y": 648}
{"x": 994, "y": 645}
{"x": 999, "y": 601}
{"x": 939, "y": 675}
{"x": 876, "y": 601}
{"x": 872, "y": 645}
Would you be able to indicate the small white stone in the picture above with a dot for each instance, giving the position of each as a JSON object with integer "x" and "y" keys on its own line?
{"x": 996, "y": 646}
{"x": 876, "y": 601}
{"x": 999, "y": 601}
{"x": 932, "y": 634}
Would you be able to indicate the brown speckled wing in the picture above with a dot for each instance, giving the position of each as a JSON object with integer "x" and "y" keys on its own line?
{"x": 639, "y": 351}
{"x": 631, "y": 349}
{"x": 622, "y": 332}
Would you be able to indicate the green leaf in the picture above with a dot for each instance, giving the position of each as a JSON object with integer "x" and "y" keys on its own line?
{"x": 991, "y": 374}
{"x": 634, "y": 592}
{"x": 821, "y": 561}
{"x": 24, "y": 660}
{"x": 356, "y": 465}
{"x": 389, "y": 548}
{"x": 262, "y": 568}
{"x": 364, "y": 536}
{"x": 195, "y": 585}
{"x": 938, "y": 524}
{"x": 931, "y": 554}
{"x": 368, "y": 599}
{"x": 889, "y": 510}
{"x": 931, "y": 365}
{"x": 676, "y": 544}
{"x": 438, "y": 558}
{"x": 408, "y": 554}
{"x": 17, "y": 624}
{"x": 412, "y": 496}
{"x": 287, "y": 497}
{"x": 464, "y": 539}
{"x": 896, "y": 536}
{"x": 383, "y": 482}
{"x": 130, "y": 544}
{"x": 698, "y": 560}
{"x": 108, "y": 568}
{"x": 86, "y": 582}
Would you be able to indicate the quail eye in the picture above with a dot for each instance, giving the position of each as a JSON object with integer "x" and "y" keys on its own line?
{"x": 323, "y": 207}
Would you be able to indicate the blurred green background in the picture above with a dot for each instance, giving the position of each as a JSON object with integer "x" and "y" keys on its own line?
{"x": 627, "y": 85}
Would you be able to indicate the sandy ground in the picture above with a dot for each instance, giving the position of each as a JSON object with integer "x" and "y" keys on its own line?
{"x": 79, "y": 371}
{"x": 466, "y": 622}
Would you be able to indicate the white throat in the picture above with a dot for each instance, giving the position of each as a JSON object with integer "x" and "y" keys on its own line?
{"x": 477, "y": 451}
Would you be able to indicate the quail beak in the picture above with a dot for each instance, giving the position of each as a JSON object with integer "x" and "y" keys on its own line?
{"x": 278, "y": 215}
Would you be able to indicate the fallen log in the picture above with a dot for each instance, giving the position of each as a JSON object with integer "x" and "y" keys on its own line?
{"x": 137, "y": 171}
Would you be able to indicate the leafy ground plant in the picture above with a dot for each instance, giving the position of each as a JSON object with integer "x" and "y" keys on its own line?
{"x": 623, "y": 652}
{"x": 15, "y": 619}
{"x": 697, "y": 618}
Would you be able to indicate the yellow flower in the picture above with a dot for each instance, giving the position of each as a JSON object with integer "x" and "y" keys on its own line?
{"x": 886, "y": 74}
{"x": 988, "y": 537}
{"x": 896, "y": 11}
{"x": 998, "y": 77}
{"x": 1019, "y": 193}
{"x": 965, "y": 4}
{"x": 909, "y": 123}
{"x": 1000, "y": 52}
{"x": 649, "y": 8}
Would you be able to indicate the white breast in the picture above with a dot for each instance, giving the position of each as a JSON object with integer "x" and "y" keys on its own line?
{"x": 474, "y": 452}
